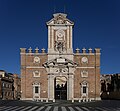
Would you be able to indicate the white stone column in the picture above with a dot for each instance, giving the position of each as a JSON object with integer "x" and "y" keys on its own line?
{"x": 52, "y": 37}
{"x": 70, "y": 36}
{"x": 50, "y": 87}
{"x": 48, "y": 37}
{"x": 68, "y": 41}
{"x": 72, "y": 82}
{"x": 70, "y": 89}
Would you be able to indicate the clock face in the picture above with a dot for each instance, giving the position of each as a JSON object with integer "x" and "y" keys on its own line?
{"x": 84, "y": 60}
{"x": 36, "y": 60}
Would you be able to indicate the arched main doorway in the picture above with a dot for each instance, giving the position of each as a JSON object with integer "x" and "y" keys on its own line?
{"x": 60, "y": 86}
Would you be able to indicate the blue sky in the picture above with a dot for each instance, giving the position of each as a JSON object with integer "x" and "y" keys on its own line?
{"x": 23, "y": 24}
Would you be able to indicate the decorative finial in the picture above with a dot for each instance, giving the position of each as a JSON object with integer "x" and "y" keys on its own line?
{"x": 43, "y": 50}
{"x": 90, "y": 50}
{"x": 30, "y": 50}
{"x": 77, "y": 50}
{"x": 36, "y": 50}
{"x": 84, "y": 50}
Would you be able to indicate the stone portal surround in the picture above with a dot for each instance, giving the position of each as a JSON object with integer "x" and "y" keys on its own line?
{"x": 70, "y": 86}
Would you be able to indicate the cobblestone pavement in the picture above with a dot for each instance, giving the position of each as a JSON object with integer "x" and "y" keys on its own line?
{"x": 60, "y": 106}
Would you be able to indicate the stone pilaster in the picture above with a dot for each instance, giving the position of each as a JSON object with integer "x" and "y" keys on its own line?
{"x": 68, "y": 38}
{"x": 50, "y": 87}
{"x": 48, "y": 37}
{"x": 70, "y": 88}
{"x": 52, "y": 36}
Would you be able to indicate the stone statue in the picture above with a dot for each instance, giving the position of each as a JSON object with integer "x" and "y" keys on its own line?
{"x": 59, "y": 46}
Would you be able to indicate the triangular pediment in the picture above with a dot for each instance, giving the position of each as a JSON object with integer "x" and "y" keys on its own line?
{"x": 60, "y": 61}
{"x": 59, "y": 19}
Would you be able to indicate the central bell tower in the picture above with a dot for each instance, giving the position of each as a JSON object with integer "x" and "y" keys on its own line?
{"x": 60, "y": 35}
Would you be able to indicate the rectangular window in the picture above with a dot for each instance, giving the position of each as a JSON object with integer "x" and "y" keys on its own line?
{"x": 84, "y": 89}
{"x": 36, "y": 89}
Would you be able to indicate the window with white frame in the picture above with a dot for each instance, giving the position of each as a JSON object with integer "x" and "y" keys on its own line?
{"x": 84, "y": 89}
{"x": 36, "y": 90}
{"x": 36, "y": 73}
{"x": 84, "y": 73}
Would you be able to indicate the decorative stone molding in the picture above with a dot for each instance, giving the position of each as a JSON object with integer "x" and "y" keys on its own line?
{"x": 84, "y": 50}
{"x": 90, "y": 50}
{"x": 36, "y": 59}
{"x": 36, "y": 50}
{"x": 84, "y": 60}
{"x": 84, "y": 89}
{"x": 36, "y": 90}
{"x": 77, "y": 50}
{"x": 36, "y": 73}
{"x": 84, "y": 73}
{"x": 43, "y": 50}
{"x": 30, "y": 50}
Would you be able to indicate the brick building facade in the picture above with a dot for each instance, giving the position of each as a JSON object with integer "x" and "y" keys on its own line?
{"x": 17, "y": 86}
{"x": 6, "y": 85}
{"x": 60, "y": 73}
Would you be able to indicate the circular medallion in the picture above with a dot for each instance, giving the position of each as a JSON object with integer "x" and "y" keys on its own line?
{"x": 84, "y": 59}
{"x": 36, "y": 60}
{"x": 60, "y": 35}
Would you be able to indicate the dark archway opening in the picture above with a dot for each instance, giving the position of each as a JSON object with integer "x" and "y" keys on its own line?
{"x": 60, "y": 88}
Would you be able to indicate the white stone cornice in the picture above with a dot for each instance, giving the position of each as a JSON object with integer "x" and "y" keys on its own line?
{"x": 34, "y": 67}
{"x": 84, "y": 53}
{"x": 85, "y": 67}
{"x": 98, "y": 54}
{"x": 57, "y": 53}
{"x": 60, "y": 27}
{"x": 36, "y": 53}
{"x": 68, "y": 40}
{"x": 87, "y": 53}
{"x": 22, "y": 53}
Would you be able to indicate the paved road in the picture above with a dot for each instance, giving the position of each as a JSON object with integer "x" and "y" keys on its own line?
{"x": 60, "y": 106}
{"x": 55, "y": 108}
